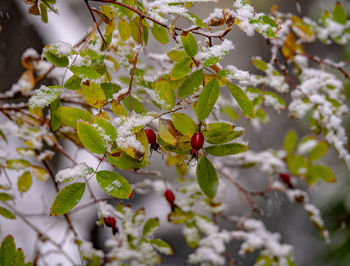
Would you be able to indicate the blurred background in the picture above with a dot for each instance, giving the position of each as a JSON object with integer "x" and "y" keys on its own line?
{"x": 19, "y": 31}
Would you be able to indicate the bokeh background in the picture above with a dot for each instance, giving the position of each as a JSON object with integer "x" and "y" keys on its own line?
{"x": 18, "y": 31}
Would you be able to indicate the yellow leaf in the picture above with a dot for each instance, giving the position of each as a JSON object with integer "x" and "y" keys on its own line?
{"x": 302, "y": 30}
{"x": 93, "y": 94}
{"x": 40, "y": 173}
{"x": 168, "y": 132}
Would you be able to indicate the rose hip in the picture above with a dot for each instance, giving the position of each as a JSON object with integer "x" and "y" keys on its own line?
{"x": 170, "y": 197}
{"x": 197, "y": 140}
{"x": 286, "y": 179}
{"x": 152, "y": 139}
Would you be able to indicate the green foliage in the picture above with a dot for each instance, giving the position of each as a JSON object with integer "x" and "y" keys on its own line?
{"x": 114, "y": 184}
{"x": 160, "y": 34}
{"x": 71, "y": 115}
{"x": 207, "y": 99}
{"x": 225, "y": 149}
{"x": 91, "y": 138}
{"x": 191, "y": 83}
{"x": 207, "y": 177}
{"x": 116, "y": 83}
{"x": 24, "y": 182}
{"x": 290, "y": 141}
{"x": 6, "y": 213}
{"x": 189, "y": 43}
{"x": 181, "y": 68}
{"x": 67, "y": 198}
{"x": 242, "y": 99}
{"x": 150, "y": 226}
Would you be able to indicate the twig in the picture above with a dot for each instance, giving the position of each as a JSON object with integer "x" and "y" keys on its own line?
{"x": 41, "y": 234}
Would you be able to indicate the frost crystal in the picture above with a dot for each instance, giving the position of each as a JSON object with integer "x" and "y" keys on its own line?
{"x": 216, "y": 51}
{"x": 70, "y": 174}
{"x": 44, "y": 96}
{"x": 256, "y": 236}
{"x": 126, "y": 138}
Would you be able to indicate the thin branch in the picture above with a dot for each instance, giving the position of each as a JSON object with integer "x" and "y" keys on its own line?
{"x": 135, "y": 61}
{"x": 95, "y": 22}
{"x": 41, "y": 234}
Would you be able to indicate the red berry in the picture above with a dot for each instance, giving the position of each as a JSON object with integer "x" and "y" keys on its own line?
{"x": 152, "y": 138}
{"x": 286, "y": 179}
{"x": 170, "y": 197}
{"x": 110, "y": 221}
{"x": 197, "y": 140}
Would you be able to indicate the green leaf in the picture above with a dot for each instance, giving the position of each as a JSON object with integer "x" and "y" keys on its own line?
{"x": 260, "y": 64}
{"x": 4, "y": 196}
{"x": 73, "y": 83}
{"x": 226, "y": 149}
{"x": 85, "y": 71}
{"x": 165, "y": 93}
{"x": 56, "y": 59}
{"x": 67, "y": 198}
{"x": 24, "y": 182}
{"x": 150, "y": 227}
{"x": 7, "y": 214}
{"x": 189, "y": 43}
{"x": 44, "y": 96}
{"x": 19, "y": 258}
{"x": 192, "y": 17}
{"x": 318, "y": 151}
{"x": 207, "y": 99}
{"x": 297, "y": 165}
{"x": 55, "y": 121}
{"x": 160, "y": 33}
{"x": 162, "y": 246}
{"x": 107, "y": 127}
{"x": 221, "y": 132}
{"x": 17, "y": 164}
{"x": 114, "y": 184}
{"x": 43, "y": 12}
{"x": 176, "y": 55}
{"x": 136, "y": 104}
{"x": 320, "y": 172}
{"x": 109, "y": 89}
{"x": 70, "y": 115}
{"x": 7, "y": 251}
{"x": 274, "y": 100}
{"x": 184, "y": 124}
{"x": 230, "y": 112}
{"x": 194, "y": 236}
{"x": 181, "y": 68}
{"x": 124, "y": 29}
{"x": 242, "y": 99}
{"x": 191, "y": 83}
{"x": 290, "y": 141}
{"x": 207, "y": 177}
{"x": 179, "y": 216}
{"x": 91, "y": 138}
{"x": 339, "y": 14}
{"x": 125, "y": 162}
